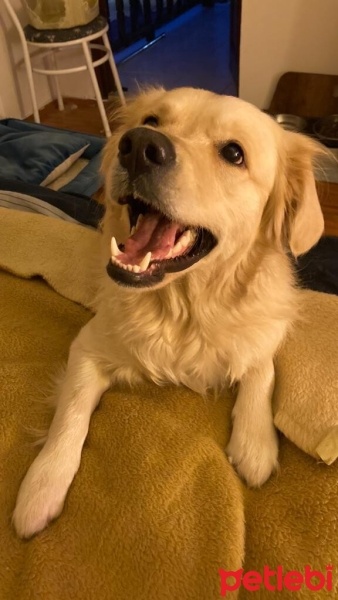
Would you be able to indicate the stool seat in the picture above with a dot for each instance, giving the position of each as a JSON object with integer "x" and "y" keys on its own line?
{"x": 62, "y": 36}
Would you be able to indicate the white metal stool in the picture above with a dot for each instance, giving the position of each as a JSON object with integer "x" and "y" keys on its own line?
{"x": 61, "y": 39}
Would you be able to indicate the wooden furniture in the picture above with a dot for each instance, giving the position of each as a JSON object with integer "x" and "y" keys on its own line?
{"x": 306, "y": 95}
{"x": 328, "y": 196}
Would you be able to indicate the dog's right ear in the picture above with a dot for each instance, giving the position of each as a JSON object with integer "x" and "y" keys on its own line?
{"x": 293, "y": 216}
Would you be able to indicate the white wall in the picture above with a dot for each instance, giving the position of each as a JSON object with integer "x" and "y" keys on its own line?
{"x": 14, "y": 88}
{"x": 285, "y": 35}
{"x": 14, "y": 94}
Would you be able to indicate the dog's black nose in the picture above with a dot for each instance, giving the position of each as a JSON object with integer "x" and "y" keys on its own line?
{"x": 141, "y": 150}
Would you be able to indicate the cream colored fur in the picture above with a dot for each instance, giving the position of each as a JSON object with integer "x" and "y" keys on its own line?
{"x": 223, "y": 319}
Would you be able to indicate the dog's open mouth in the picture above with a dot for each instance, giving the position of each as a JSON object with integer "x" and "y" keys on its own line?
{"x": 156, "y": 246}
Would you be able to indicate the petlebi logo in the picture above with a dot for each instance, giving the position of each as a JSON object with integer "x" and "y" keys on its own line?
{"x": 276, "y": 580}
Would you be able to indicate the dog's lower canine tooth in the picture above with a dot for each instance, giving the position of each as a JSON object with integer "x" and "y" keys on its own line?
{"x": 177, "y": 247}
{"x": 132, "y": 231}
{"x": 136, "y": 269}
{"x": 145, "y": 262}
{"x": 185, "y": 238}
{"x": 138, "y": 222}
{"x": 114, "y": 247}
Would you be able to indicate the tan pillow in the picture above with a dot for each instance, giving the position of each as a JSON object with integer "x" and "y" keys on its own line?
{"x": 306, "y": 392}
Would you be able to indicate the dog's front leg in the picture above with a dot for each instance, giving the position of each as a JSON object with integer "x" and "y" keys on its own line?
{"x": 44, "y": 488}
{"x": 253, "y": 446}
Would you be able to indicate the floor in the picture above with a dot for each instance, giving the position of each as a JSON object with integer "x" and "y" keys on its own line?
{"x": 194, "y": 51}
{"x": 78, "y": 115}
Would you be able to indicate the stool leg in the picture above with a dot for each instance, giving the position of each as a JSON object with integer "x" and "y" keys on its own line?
{"x": 56, "y": 83}
{"x": 31, "y": 83}
{"x": 114, "y": 69}
{"x": 99, "y": 101}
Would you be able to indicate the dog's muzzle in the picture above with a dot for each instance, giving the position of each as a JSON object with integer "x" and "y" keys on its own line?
{"x": 157, "y": 244}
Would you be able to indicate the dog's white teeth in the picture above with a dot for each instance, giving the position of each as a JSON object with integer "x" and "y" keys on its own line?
{"x": 116, "y": 261}
{"x": 138, "y": 222}
{"x": 114, "y": 247}
{"x": 183, "y": 242}
{"x": 145, "y": 262}
{"x": 132, "y": 231}
{"x": 185, "y": 238}
{"x": 177, "y": 248}
{"x": 132, "y": 268}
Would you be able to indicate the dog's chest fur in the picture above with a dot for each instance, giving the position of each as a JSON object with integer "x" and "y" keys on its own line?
{"x": 198, "y": 339}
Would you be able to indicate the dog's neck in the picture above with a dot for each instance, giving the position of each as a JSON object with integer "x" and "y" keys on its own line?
{"x": 215, "y": 309}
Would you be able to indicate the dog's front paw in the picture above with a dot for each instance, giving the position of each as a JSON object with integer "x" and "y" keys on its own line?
{"x": 254, "y": 453}
{"x": 40, "y": 500}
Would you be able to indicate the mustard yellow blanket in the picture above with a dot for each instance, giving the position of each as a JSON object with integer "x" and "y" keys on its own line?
{"x": 156, "y": 512}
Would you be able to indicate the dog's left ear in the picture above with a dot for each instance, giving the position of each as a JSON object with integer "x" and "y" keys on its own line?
{"x": 293, "y": 211}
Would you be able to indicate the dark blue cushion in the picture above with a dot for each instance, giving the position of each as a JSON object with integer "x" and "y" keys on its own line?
{"x": 96, "y": 142}
{"x": 16, "y": 154}
{"x": 32, "y": 156}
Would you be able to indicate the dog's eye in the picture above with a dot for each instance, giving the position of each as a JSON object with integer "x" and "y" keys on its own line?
{"x": 232, "y": 153}
{"x": 151, "y": 120}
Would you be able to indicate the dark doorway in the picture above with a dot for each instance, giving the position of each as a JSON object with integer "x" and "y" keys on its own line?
{"x": 132, "y": 20}
{"x": 191, "y": 43}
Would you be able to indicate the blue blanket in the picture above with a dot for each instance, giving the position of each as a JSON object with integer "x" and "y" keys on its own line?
{"x": 30, "y": 152}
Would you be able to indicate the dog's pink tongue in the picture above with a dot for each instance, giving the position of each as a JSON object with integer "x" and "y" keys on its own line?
{"x": 155, "y": 234}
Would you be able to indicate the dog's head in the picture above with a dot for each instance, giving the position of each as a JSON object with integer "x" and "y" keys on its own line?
{"x": 203, "y": 177}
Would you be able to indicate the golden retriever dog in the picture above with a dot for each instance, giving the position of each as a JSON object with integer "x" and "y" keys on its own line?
{"x": 199, "y": 290}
